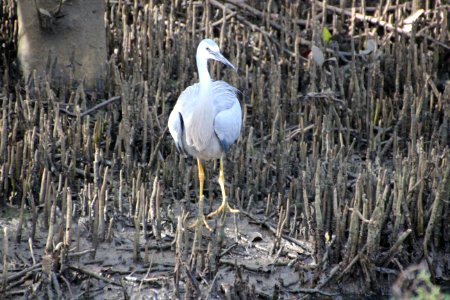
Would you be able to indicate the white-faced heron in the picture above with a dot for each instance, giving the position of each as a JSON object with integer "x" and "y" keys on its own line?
{"x": 207, "y": 119}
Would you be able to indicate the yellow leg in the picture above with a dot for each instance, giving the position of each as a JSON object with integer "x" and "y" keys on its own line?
{"x": 201, "y": 176}
{"x": 224, "y": 206}
{"x": 201, "y": 217}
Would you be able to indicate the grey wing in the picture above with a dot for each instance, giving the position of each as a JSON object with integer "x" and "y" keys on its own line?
{"x": 176, "y": 128}
{"x": 182, "y": 107}
{"x": 228, "y": 120}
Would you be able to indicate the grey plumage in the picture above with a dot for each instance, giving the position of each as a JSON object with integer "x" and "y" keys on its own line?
{"x": 207, "y": 118}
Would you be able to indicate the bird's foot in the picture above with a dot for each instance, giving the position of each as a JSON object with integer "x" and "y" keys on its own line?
{"x": 224, "y": 207}
{"x": 200, "y": 219}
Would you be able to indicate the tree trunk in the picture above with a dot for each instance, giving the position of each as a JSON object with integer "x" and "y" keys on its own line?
{"x": 63, "y": 41}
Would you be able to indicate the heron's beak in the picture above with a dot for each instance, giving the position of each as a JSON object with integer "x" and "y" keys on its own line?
{"x": 222, "y": 59}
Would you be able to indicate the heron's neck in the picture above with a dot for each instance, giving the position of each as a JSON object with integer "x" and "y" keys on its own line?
{"x": 203, "y": 74}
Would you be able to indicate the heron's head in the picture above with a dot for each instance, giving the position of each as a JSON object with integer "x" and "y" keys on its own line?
{"x": 208, "y": 49}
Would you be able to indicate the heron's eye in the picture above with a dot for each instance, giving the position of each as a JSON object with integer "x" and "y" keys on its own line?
{"x": 207, "y": 48}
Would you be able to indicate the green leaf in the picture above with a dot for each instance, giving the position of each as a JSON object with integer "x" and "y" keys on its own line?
{"x": 326, "y": 35}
